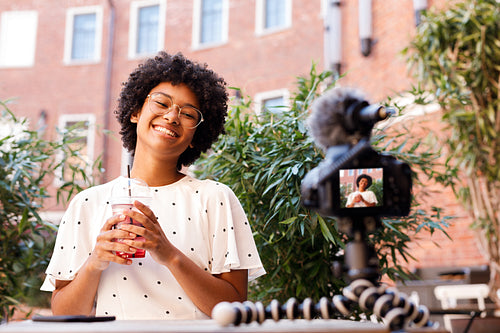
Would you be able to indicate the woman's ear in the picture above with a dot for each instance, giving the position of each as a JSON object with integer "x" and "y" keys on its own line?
{"x": 134, "y": 118}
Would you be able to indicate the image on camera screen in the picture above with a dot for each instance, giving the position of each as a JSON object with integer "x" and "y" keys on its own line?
{"x": 361, "y": 188}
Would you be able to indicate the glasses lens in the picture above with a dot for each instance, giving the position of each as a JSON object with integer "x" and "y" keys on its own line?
{"x": 161, "y": 104}
{"x": 190, "y": 117}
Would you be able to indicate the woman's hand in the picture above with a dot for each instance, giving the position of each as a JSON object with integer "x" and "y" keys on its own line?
{"x": 77, "y": 296}
{"x": 203, "y": 288}
{"x": 358, "y": 198}
{"x": 155, "y": 241}
{"x": 106, "y": 245}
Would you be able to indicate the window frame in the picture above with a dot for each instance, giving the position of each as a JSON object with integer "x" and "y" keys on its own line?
{"x": 261, "y": 97}
{"x": 6, "y": 39}
{"x": 260, "y": 18}
{"x": 135, "y": 6}
{"x": 196, "y": 33}
{"x": 66, "y": 118}
{"x": 69, "y": 33}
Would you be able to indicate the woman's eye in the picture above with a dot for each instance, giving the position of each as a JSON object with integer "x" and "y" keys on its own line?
{"x": 162, "y": 105}
{"x": 188, "y": 115}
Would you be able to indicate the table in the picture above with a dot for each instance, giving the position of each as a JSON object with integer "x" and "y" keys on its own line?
{"x": 200, "y": 326}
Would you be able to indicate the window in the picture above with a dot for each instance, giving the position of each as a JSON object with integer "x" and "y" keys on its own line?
{"x": 83, "y": 35}
{"x": 147, "y": 27}
{"x": 83, "y": 46}
{"x": 18, "y": 38}
{"x": 272, "y": 101}
{"x": 273, "y": 15}
{"x": 82, "y": 129}
{"x": 273, "y": 104}
{"x": 210, "y": 23}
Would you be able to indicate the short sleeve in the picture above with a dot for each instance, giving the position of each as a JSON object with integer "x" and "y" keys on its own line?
{"x": 350, "y": 198}
{"x": 232, "y": 244}
{"x": 76, "y": 237}
{"x": 371, "y": 197}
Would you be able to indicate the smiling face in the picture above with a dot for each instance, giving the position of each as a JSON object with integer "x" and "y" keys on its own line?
{"x": 363, "y": 184}
{"x": 164, "y": 136}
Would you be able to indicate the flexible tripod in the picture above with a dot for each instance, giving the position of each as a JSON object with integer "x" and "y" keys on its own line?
{"x": 395, "y": 308}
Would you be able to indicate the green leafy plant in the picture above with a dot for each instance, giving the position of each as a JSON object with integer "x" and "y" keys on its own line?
{"x": 264, "y": 158}
{"x": 456, "y": 58}
{"x": 27, "y": 165}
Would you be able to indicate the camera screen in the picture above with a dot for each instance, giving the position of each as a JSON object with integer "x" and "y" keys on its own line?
{"x": 361, "y": 188}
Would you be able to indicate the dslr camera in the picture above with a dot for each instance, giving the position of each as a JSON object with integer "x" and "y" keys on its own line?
{"x": 353, "y": 180}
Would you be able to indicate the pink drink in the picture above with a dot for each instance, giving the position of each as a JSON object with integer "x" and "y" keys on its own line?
{"x": 124, "y": 193}
{"x": 118, "y": 208}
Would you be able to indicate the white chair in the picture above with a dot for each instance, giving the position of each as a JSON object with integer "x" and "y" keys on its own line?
{"x": 450, "y": 294}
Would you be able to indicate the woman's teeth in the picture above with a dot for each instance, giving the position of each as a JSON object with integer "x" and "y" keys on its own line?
{"x": 165, "y": 131}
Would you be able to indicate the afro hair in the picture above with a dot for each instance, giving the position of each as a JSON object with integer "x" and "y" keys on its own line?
{"x": 209, "y": 88}
{"x": 368, "y": 178}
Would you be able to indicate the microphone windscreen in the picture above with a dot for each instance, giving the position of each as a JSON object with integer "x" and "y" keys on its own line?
{"x": 327, "y": 119}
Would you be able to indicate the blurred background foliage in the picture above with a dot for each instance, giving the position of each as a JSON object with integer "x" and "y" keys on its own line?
{"x": 455, "y": 56}
{"x": 28, "y": 164}
{"x": 264, "y": 157}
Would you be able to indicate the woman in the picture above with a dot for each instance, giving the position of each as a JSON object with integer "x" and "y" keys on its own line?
{"x": 362, "y": 197}
{"x": 199, "y": 245}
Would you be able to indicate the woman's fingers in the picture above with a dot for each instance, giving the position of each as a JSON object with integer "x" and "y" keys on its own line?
{"x": 147, "y": 212}
{"x": 110, "y": 241}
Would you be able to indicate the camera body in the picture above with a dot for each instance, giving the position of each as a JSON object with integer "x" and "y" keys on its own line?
{"x": 327, "y": 187}
{"x": 354, "y": 183}
{"x": 353, "y": 180}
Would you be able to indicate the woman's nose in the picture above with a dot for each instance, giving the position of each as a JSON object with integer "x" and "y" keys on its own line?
{"x": 173, "y": 114}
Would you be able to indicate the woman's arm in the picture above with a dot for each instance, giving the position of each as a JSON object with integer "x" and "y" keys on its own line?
{"x": 369, "y": 204}
{"x": 350, "y": 201}
{"x": 203, "y": 288}
{"x": 76, "y": 297}
{"x": 371, "y": 199}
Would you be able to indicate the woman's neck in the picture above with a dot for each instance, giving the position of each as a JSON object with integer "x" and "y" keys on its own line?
{"x": 155, "y": 172}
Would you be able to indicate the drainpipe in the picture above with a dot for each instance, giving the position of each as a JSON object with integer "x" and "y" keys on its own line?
{"x": 107, "y": 97}
{"x": 365, "y": 26}
{"x": 333, "y": 37}
{"x": 419, "y": 6}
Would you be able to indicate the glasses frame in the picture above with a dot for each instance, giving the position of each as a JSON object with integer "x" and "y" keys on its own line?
{"x": 170, "y": 109}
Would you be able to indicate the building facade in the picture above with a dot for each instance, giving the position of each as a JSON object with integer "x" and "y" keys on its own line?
{"x": 63, "y": 61}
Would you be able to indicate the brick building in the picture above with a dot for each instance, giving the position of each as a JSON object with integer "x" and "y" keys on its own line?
{"x": 64, "y": 61}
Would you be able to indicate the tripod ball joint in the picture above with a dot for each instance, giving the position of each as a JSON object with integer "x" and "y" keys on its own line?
{"x": 422, "y": 317}
{"x": 356, "y": 288}
{"x": 226, "y": 313}
{"x": 395, "y": 308}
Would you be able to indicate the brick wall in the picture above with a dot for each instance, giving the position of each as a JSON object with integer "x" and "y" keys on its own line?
{"x": 253, "y": 63}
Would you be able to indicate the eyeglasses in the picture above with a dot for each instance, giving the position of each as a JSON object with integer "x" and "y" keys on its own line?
{"x": 162, "y": 104}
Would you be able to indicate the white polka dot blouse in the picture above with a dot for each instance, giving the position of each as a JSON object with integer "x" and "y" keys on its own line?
{"x": 202, "y": 218}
